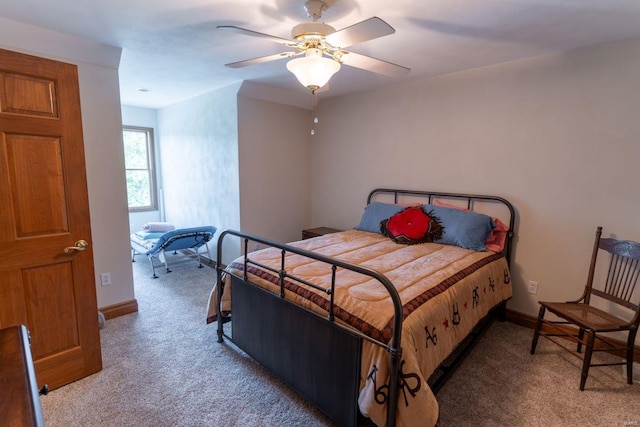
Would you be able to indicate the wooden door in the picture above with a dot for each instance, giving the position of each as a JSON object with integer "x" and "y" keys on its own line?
{"x": 44, "y": 209}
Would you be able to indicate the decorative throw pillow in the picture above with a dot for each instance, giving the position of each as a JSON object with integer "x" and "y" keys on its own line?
{"x": 498, "y": 235}
{"x": 466, "y": 229}
{"x": 374, "y": 213}
{"x": 411, "y": 226}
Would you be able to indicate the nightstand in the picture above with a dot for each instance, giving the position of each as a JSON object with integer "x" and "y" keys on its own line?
{"x": 319, "y": 231}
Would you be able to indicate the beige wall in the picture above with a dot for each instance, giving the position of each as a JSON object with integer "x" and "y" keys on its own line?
{"x": 557, "y": 135}
{"x": 104, "y": 154}
{"x": 275, "y": 159}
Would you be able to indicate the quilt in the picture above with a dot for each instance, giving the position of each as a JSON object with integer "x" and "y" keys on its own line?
{"x": 445, "y": 291}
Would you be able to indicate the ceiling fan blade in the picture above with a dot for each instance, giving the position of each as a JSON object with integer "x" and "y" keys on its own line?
{"x": 252, "y": 33}
{"x": 368, "y": 29}
{"x": 261, "y": 59}
{"x": 372, "y": 64}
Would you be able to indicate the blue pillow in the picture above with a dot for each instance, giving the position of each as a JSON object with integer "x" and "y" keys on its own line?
{"x": 466, "y": 229}
{"x": 375, "y": 213}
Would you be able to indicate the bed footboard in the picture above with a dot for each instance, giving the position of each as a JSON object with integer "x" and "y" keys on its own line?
{"x": 324, "y": 364}
{"x": 267, "y": 334}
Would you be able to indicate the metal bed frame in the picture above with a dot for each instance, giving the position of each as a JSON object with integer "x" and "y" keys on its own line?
{"x": 320, "y": 343}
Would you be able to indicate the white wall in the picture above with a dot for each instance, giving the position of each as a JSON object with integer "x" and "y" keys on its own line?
{"x": 556, "y": 135}
{"x": 104, "y": 154}
{"x": 199, "y": 144}
{"x": 236, "y": 162}
{"x": 106, "y": 180}
{"x": 147, "y": 118}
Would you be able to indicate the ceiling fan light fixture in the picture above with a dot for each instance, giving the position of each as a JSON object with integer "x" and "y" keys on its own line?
{"x": 313, "y": 70}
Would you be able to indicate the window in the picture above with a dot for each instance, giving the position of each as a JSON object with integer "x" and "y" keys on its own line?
{"x": 139, "y": 164}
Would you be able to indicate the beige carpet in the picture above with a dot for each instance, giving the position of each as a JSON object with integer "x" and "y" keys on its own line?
{"x": 163, "y": 367}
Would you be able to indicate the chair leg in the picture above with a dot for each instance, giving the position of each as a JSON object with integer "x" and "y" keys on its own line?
{"x": 630, "y": 343}
{"x": 587, "y": 359}
{"x": 629, "y": 365}
{"x": 580, "y": 337}
{"x": 536, "y": 331}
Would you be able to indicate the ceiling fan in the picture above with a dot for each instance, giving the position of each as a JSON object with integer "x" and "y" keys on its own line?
{"x": 322, "y": 49}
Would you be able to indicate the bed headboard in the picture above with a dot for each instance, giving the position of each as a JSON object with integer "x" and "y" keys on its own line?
{"x": 490, "y": 205}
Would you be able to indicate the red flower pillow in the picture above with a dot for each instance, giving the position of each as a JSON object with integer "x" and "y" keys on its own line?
{"x": 411, "y": 226}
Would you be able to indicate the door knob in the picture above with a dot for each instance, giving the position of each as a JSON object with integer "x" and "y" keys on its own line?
{"x": 80, "y": 245}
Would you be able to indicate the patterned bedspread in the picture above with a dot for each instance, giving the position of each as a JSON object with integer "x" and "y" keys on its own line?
{"x": 445, "y": 291}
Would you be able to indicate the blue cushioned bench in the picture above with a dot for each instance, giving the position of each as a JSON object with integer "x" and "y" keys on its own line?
{"x": 154, "y": 245}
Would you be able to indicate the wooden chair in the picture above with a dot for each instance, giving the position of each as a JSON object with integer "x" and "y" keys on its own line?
{"x": 618, "y": 289}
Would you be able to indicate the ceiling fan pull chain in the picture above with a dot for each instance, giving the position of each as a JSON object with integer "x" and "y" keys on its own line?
{"x": 314, "y": 117}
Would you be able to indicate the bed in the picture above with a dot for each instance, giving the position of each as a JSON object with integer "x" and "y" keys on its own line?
{"x": 359, "y": 321}
{"x": 156, "y": 244}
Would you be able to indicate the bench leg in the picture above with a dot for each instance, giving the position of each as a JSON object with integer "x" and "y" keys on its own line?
{"x": 206, "y": 245}
{"x": 199, "y": 260}
{"x": 153, "y": 268}
{"x": 163, "y": 258}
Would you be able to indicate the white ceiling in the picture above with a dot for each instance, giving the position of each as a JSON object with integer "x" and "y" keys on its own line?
{"x": 173, "y": 49}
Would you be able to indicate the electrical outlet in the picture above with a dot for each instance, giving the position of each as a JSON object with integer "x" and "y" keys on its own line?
{"x": 105, "y": 279}
{"x": 533, "y": 287}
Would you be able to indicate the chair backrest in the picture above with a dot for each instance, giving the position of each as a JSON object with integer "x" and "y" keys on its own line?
{"x": 623, "y": 274}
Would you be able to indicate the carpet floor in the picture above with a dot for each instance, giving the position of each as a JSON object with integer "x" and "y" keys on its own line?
{"x": 163, "y": 367}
